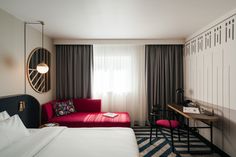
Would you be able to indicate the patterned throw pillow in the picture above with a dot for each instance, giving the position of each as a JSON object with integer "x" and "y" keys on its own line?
{"x": 70, "y": 106}
{"x": 64, "y": 108}
{"x": 60, "y": 108}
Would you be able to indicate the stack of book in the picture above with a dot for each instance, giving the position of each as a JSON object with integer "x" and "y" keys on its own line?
{"x": 110, "y": 114}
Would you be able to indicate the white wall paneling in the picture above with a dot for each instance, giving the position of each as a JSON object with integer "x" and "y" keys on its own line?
{"x": 210, "y": 77}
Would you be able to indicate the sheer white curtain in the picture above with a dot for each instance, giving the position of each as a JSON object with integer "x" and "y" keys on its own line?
{"x": 119, "y": 80}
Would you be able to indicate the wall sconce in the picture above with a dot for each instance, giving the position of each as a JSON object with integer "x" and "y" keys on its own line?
{"x": 38, "y": 64}
{"x": 42, "y": 68}
{"x": 21, "y": 106}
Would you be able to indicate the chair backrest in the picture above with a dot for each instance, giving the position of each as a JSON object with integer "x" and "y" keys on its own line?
{"x": 161, "y": 113}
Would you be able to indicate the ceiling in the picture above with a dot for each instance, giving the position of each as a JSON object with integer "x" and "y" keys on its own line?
{"x": 119, "y": 19}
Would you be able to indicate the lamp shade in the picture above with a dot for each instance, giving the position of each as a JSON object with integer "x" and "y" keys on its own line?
{"x": 42, "y": 68}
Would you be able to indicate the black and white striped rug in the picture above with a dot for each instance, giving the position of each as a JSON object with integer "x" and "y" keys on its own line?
{"x": 161, "y": 146}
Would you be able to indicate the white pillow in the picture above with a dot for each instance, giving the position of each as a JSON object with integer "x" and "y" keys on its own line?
{"x": 12, "y": 130}
{"x": 4, "y": 115}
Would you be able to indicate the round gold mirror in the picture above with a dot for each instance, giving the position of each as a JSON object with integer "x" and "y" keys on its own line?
{"x": 38, "y": 71}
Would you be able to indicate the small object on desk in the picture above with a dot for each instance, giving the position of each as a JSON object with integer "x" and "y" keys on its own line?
{"x": 192, "y": 104}
{"x": 109, "y": 114}
{"x": 191, "y": 110}
{"x": 49, "y": 125}
{"x": 207, "y": 111}
{"x": 186, "y": 102}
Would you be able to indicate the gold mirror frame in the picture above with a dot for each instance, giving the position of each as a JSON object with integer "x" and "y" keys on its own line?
{"x": 38, "y": 81}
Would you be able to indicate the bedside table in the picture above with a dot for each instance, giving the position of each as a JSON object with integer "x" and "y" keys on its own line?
{"x": 49, "y": 125}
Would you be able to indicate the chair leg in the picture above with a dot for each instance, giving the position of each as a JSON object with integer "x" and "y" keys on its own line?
{"x": 150, "y": 135}
{"x": 156, "y": 131}
{"x": 172, "y": 140}
{"x": 179, "y": 134}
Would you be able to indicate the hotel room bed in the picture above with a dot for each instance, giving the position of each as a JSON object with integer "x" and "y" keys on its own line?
{"x": 74, "y": 142}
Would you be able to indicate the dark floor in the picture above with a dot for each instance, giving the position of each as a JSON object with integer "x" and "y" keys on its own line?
{"x": 161, "y": 145}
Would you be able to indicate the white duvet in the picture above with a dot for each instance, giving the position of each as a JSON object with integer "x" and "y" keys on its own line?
{"x": 75, "y": 142}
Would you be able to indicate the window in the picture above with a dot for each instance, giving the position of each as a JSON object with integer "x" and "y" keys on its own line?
{"x": 112, "y": 73}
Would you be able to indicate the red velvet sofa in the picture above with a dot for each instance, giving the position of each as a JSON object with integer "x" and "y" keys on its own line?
{"x": 88, "y": 115}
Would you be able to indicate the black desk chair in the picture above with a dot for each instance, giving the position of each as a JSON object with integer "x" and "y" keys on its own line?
{"x": 157, "y": 121}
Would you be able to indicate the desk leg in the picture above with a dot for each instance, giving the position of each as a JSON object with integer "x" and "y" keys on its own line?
{"x": 188, "y": 134}
{"x": 150, "y": 135}
{"x": 211, "y": 136}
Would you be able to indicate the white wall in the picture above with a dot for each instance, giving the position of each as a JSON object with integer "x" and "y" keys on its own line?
{"x": 12, "y": 76}
{"x": 210, "y": 76}
{"x": 11, "y": 47}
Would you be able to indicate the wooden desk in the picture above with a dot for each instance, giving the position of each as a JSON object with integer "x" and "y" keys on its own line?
{"x": 190, "y": 116}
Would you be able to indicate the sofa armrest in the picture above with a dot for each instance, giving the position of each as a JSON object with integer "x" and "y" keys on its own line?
{"x": 47, "y": 112}
{"x": 87, "y": 105}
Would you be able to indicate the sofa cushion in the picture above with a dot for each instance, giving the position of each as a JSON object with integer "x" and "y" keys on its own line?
{"x": 85, "y": 119}
{"x": 168, "y": 123}
{"x": 64, "y": 108}
{"x": 87, "y": 105}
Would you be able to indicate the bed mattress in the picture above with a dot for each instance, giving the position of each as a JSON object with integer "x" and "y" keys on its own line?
{"x": 74, "y": 142}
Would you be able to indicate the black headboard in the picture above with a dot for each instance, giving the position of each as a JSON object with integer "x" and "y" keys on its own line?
{"x": 29, "y": 116}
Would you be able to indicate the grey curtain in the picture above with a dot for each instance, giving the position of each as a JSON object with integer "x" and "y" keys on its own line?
{"x": 74, "y": 66}
{"x": 164, "y": 74}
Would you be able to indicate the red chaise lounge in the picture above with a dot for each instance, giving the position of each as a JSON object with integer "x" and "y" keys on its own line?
{"x": 88, "y": 115}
